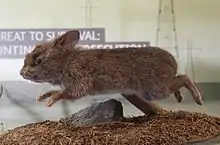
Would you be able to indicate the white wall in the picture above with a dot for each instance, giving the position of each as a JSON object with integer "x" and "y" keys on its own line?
{"x": 54, "y": 14}
{"x": 196, "y": 20}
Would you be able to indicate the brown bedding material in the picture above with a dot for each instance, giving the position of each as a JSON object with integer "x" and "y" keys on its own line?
{"x": 165, "y": 128}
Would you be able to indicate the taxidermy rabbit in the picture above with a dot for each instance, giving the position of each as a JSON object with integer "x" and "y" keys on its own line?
{"x": 141, "y": 75}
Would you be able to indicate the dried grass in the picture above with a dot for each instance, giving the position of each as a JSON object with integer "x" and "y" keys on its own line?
{"x": 165, "y": 128}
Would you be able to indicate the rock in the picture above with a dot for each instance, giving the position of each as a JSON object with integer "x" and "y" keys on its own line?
{"x": 110, "y": 110}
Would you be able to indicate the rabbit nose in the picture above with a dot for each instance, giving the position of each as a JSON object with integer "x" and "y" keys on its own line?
{"x": 24, "y": 71}
{"x": 21, "y": 72}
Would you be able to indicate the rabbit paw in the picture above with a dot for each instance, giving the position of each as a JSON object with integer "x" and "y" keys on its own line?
{"x": 54, "y": 97}
{"x": 178, "y": 96}
{"x": 46, "y": 95}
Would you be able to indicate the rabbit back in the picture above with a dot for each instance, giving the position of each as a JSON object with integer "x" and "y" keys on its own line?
{"x": 146, "y": 70}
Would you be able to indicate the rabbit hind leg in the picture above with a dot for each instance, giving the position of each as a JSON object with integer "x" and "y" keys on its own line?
{"x": 178, "y": 96}
{"x": 184, "y": 81}
{"x": 147, "y": 107}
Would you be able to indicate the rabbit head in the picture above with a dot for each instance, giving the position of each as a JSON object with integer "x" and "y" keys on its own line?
{"x": 45, "y": 63}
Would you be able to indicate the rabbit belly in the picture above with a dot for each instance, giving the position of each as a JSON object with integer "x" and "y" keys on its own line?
{"x": 113, "y": 91}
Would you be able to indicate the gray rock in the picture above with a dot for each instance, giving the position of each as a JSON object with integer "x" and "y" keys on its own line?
{"x": 110, "y": 110}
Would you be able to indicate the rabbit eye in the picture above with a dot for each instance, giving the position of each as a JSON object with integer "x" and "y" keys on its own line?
{"x": 38, "y": 61}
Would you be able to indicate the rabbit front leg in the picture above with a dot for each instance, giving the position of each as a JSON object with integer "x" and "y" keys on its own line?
{"x": 54, "y": 96}
{"x": 46, "y": 95}
{"x": 72, "y": 90}
{"x": 59, "y": 96}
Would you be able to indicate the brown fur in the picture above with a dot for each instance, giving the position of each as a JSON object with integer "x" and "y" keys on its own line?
{"x": 148, "y": 72}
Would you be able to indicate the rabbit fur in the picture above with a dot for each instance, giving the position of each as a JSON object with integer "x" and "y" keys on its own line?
{"x": 148, "y": 73}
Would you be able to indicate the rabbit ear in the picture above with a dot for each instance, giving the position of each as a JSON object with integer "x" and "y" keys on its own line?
{"x": 70, "y": 37}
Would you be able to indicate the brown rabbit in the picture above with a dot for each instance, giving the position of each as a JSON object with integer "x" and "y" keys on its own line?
{"x": 141, "y": 75}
